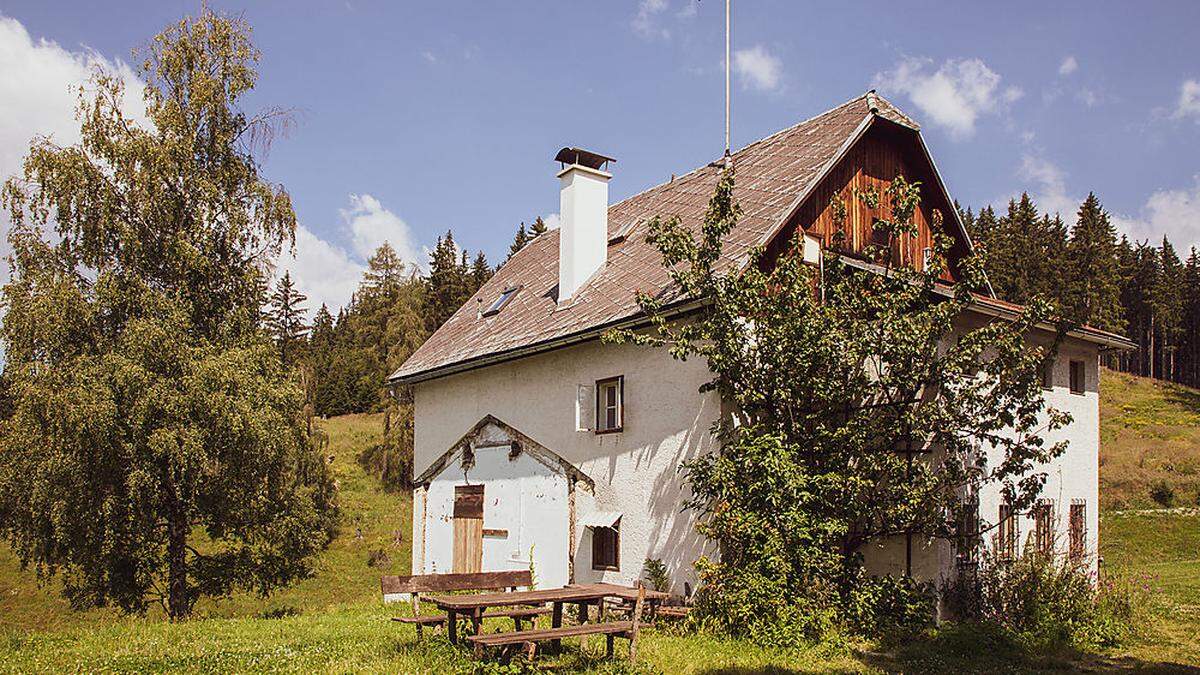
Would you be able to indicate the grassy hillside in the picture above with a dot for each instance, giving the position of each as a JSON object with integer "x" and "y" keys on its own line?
{"x": 373, "y": 520}
{"x": 1149, "y": 443}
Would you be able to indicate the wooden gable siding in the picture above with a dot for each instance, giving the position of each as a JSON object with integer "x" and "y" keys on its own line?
{"x": 884, "y": 153}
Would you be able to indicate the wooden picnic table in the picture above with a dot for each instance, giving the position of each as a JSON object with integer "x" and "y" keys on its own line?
{"x": 581, "y": 594}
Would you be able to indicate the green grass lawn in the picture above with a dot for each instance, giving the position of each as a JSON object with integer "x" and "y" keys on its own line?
{"x": 335, "y": 621}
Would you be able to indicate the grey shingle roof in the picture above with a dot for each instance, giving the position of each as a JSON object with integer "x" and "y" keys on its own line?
{"x": 772, "y": 174}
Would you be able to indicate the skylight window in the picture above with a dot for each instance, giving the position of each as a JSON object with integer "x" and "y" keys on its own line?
{"x": 505, "y": 298}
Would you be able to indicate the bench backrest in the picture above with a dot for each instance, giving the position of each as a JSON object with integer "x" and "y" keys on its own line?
{"x": 396, "y": 586}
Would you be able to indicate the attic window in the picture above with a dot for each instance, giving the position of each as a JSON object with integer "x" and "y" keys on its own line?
{"x": 505, "y": 298}
{"x": 623, "y": 233}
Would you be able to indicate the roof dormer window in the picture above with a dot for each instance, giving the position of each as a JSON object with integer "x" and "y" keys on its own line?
{"x": 505, "y": 298}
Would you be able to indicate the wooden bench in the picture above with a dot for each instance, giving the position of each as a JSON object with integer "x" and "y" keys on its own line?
{"x": 529, "y": 639}
{"x": 395, "y": 587}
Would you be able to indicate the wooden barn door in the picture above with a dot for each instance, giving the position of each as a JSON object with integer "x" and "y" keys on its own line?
{"x": 468, "y": 528}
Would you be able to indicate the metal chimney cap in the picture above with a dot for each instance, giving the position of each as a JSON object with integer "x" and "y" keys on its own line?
{"x": 591, "y": 160}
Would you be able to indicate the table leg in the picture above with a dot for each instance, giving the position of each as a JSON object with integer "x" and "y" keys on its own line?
{"x": 452, "y": 626}
{"x": 477, "y": 621}
{"x": 583, "y": 618}
{"x": 556, "y": 622}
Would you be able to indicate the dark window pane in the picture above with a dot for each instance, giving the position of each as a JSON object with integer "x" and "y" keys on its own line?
{"x": 1077, "y": 377}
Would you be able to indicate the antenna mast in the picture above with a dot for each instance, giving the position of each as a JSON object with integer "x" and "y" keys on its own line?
{"x": 727, "y": 66}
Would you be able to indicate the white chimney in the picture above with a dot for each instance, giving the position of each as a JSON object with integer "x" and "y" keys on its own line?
{"x": 583, "y": 218}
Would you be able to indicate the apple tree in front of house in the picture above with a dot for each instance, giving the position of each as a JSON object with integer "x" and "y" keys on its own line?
{"x": 861, "y": 413}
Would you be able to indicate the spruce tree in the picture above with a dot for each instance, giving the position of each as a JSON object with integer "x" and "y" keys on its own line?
{"x": 448, "y": 284}
{"x": 1167, "y": 297}
{"x": 480, "y": 270}
{"x": 1093, "y": 282}
{"x": 285, "y": 319}
{"x": 519, "y": 241}
{"x": 1190, "y": 346}
{"x": 539, "y": 228}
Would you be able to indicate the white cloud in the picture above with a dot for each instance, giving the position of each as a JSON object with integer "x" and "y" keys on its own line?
{"x": 645, "y": 22}
{"x": 1087, "y": 97}
{"x": 689, "y": 9}
{"x": 955, "y": 95}
{"x": 1068, "y": 66}
{"x": 757, "y": 68}
{"x": 323, "y": 271}
{"x": 1046, "y": 183}
{"x": 370, "y": 225}
{"x": 429, "y": 56}
{"x": 328, "y": 273}
{"x": 551, "y": 220}
{"x": 38, "y": 94}
{"x": 1174, "y": 213}
{"x": 1189, "y": 100}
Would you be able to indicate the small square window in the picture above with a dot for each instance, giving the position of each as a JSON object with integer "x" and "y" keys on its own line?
{"x": 1077, "y": 377}
{"x": 610, "y": 405}
{"x": 606, "y": 547}
{"x": 505, "y": 298}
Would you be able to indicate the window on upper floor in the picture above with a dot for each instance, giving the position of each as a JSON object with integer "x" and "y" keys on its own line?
{"x": 1048, "y": 373}
{"x": 1077, "y": 377}
{"x": 610, "y": 405}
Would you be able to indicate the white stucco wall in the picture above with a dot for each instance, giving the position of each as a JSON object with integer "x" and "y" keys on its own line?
{"x": 1073, "y": 475}
{"x": 635, "y": 472}
{"x": 522, "y": 496}
{"x": 1076, "y": 473}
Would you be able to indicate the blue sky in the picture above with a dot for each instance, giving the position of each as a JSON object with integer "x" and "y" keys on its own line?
{"x": 415, "y": 118}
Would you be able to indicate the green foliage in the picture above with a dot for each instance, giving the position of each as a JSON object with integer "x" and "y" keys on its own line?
{"x": 655, "y": 571}
{"x": 890, "y": 606}
{"x": 391, "y": 460}
{"x": 1163, "y": 494}
{"x": 284, "y": 319}
{"x": 1093, "y": 294}
{"x": 860, "y": 411}
{"x": 1025, "y": 253}
{"x": 1045, "y": 600}
{"x": 451, "y": 282}
{"x": 156, "y": 451}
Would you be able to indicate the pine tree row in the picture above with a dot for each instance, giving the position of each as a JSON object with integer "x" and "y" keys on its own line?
{"x": 1136, "y": 289}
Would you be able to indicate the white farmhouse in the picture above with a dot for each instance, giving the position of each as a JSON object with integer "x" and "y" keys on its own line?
{"x": 536, "y": 444}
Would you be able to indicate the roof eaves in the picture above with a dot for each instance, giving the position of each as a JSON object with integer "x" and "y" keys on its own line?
{"x": 636, "y": 320}
{"x": 1009, "y": 311}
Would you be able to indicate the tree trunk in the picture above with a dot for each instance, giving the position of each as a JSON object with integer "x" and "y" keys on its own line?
{"x": 179, "y": 604}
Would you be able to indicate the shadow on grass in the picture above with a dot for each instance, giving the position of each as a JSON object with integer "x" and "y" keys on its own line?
{"x": 1183, "y": 396}
{"x": 980, "y": 649}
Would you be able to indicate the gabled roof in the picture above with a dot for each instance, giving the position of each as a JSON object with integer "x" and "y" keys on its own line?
{"x": 773, "y": 176}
